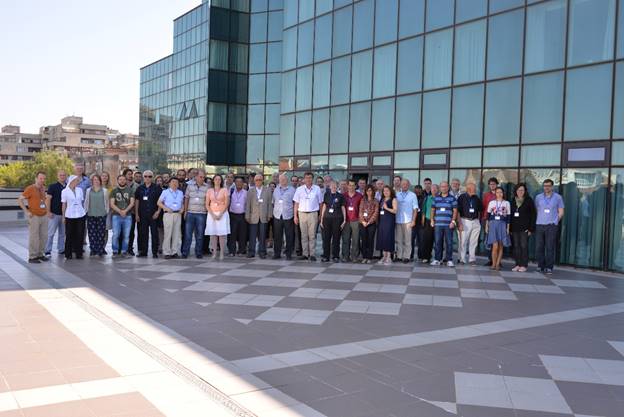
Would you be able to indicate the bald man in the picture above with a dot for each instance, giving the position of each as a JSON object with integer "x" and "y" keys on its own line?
{"x": 258, "y": 212}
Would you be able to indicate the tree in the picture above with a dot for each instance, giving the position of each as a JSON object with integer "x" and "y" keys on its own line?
{"x": 20, "y": 174}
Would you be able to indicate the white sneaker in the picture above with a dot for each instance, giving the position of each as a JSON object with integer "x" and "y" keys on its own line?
{"x": 450, "y": 264}
{"x": 515, "y": 268}
{"x": 435, "y": 263}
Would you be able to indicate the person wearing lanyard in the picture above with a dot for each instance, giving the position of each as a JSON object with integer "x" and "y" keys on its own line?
{"x": 388, "y": 208}
{"x": 308, "y": 199}
{"x": 195, "y": 215}
{"x": 55, "y": 215}
{"x": 97, "y": 206}
{"x": 522, "y": 226}
{"x": 469, "y": 209}
{"x": 258, "y": 212}
{"x": 405, "y": 221}
{"x": 121, "y": 204}
{"x": 283, "y": 224}
{"x": 37, "y": 215}
{"x": 333, "y": 215}
{"x": 443, "y": 221}
{"x": 171, "y": 201}
{"x": 369, "y": 212}
{"x": 486, "y": 198}
{"x": 147, "y": 211}
{"x": 426, "y": 242}
{"x": 351, "y": 231}
{"x": 238, "y": 225}
{"x": 74, "y": 216}
{"x": 497, "y": 227}
{"x": 550, "y": 207}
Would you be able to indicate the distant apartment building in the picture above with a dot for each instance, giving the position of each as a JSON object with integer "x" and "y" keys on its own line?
{"x": 76, "y": 138}
{"x": 17, "y": 146}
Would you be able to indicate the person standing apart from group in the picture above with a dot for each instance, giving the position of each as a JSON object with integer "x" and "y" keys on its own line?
{"x": 258, "y": 212}
{"x": 96, "y": 204}
{"x": 497, "y": 226}
{"x": 368, "y": 216}
{"x": 146, "y": 213}
{"x": 308, "y": 199}
{"x": 171, "y": 202}
{"x": 121, "y": 206}
{"x": 550, "y": 209}
{"x": 469, "y": 210}
{"x": 443, "y": 221}
{"x": 218, "y": 219}
{"x": 351, "y": 229}
{"x": 522, "y": 226}
{"x": 405, "y": 221}
{"x": 283, "y": 223}
{"x": 195, "y": 215}
{"x": 37, "y": 215}
{"x": 55, "y": 216}
{"x": 333, "y": 215}
{"x": 74, "y": 215}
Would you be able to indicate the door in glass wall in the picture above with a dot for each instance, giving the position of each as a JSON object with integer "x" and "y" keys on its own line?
{"x": 616, "y": 222}
{"x": 584, "y": 191}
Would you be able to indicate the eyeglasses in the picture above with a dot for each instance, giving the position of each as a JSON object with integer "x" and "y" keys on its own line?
{"x": 147, "y": 176}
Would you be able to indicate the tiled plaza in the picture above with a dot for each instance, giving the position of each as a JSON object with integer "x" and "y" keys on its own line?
{"x": 288, "y": 338}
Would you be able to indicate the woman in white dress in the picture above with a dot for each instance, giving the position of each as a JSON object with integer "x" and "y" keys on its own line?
{"x": 218, "y": 219}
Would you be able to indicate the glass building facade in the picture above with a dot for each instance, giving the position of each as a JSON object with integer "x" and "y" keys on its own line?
{"x": 522, "y": 90}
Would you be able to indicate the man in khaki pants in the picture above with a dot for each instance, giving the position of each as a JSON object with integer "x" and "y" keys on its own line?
{"x": 37, "y": 215}
{"x": 308, "y": 199}
{"x": 171, "y": 201}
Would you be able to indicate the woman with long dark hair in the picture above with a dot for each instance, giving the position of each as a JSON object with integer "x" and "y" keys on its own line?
{"x": 522, "y": 226}
{"x": 497, "y": 226}
{"x": 369, "y": 214}
{"x": 387, "y": 215}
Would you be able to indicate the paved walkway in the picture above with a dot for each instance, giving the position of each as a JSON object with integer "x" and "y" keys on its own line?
{"x": 279, "y": 338}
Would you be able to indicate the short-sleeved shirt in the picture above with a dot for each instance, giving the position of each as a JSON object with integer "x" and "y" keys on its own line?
{"x": 334, "y": 203}
{"x": 352, "y": 206}
{"x": 238, "y": 200}
{"x": 54, "y": 191}
{"x": 147, "y": 198}
{"x": 548, "y": 208}
{"x": 408, "y": 202}
{"x": 196, "y": 195}
{"x": 283, "y": 205}
{"x": 309, "y": 199}
{"x": 173, "y": 200}
{"x": 122, "y": 197}
{"x": 74, "y": 200}
{"x": 469, "y": 206}
{"x": 444, "y": 209}
{"x": 487, "y": 197}
{"x": 36, "y": 200}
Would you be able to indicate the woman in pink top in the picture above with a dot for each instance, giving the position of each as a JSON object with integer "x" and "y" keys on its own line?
{"x": 218, "y": 219}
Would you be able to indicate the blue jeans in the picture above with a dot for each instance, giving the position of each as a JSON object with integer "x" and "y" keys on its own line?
{"x": 121, "y": 226}
{"x": 443, "y": 237}
{"x": 195, "y": 223}
{"x": 546, "y": 245}
{"x": 56, "y": 224}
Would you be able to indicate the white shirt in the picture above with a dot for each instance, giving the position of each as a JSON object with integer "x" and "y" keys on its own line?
{"x": 74, "y": 200}
{"x": 309, "y": 199}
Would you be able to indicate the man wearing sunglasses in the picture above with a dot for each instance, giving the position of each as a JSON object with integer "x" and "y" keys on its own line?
{"x": 147, "y": 212}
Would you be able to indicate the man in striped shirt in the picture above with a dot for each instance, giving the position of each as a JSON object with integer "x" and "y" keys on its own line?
{"x": 444, "y": 217}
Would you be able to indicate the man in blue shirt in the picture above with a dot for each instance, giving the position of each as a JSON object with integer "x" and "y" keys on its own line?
{"x": 171, "y": 201}
{"x": 405, "y": 221}
{"x": 443, "y": 221}
{"x": 549, "y": 206}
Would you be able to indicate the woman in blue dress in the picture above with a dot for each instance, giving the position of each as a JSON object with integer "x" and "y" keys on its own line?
{"x": 497, "y": 226}
{"x": 385, "y": 233}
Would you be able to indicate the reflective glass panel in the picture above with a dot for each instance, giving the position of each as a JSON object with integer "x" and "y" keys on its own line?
{"x": 341, "y": 68}
{"x": 342, "y": 37}
{"x": 258, "y": 27}
{"x": 257, "y": 58}
{"x": 218, "y": 55}
{"x": 323, "y": 41}
{"x": 291, "y": 12}
{"x": 287, "y": 134}
{"x": 502, "y": 156}
{"x": 543, "y": 108}
{"x": 410, "y": 65}
{"x": 616, "y": 222}
{"x": 386, "y": 21}
{"x": 617, "y": 153}
{"x": 255, "y": 146}
{"x": 438, "y": 59}
{"x": 618, "y": 110}
{"x": 470, "y": 52}
{"x": 363, "y": 15}
{"x": 304, "y": 88}
{"x": 545, "y": 36}
{"x": 320, "y": 131}
{"x": 361, "y": 76}
{"x": 274, "y": 57}
{"x": 470, "y": 9}
{"x": 436, "y": 119}
{"x": 384, "y": 78}
{"x": 500, "y": 5}
{"x": 439, "y": 13}
{"x": 436, "y": 175}
{"x": 338, "y": 162}
{"x": 466, "y": 157}
{"x": 275, "y": 26}
{"x": 382, "y": 131}
{"x": 620, "y": 32}
{"x": 588, "y": 103}
{"x": 592, "y": 31}
{"x": 288, "y": 91}
{"x": 306, "y": 10}
{"x": 321, "y": 84}
{"x": 306, "y": 43}
{"x": 271, "y": 149}
{"x": 303, "y": 127}
{"x": 407, "y": 159}
{"x": 467, "y": 128}
{"x": 339, "y": 129}
{"x": 502, "y": 112}
{"x": 411, "y": 18}
{"x": 256, "y": 88}
{"x": 271, "y": 124}
{"x": 359, "y": 139}
{"x": 505, "y": 44}
{"x": 407, "y": 122}
{"x": 323, "y": 6}
{"x": 273, "y": 88}
{"x": 290, "y": 48}
{"x": 540, "y": 156}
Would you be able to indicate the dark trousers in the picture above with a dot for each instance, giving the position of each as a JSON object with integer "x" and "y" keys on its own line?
{"x": 283, "y": 229}
{"x": 238, "y": 234}
{"x": 298, "y": 248}
{"x": 331, "y": 236}
{"x": 147, "y": 226}
{"x": 521, "y": 248}
{"x": 131, "y": 238}
{"x": 183, "y": 231}
{"x": 367, "y": 235}
{"x": 416, "y": 239}
{"x": 546, "y": 245}
{"x": 257, "y": 232}
{"x": 74, "y": 232}
{"x": 426, "y": 242}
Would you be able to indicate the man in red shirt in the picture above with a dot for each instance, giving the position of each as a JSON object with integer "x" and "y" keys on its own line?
{"x": 351, "y": 230}
{"x": 488, "y": 196}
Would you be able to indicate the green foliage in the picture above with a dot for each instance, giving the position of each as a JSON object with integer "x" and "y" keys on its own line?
{"x": 21, "y": 174}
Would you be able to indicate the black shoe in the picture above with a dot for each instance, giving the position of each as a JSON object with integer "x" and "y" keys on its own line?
{"x": 336, "y": 260}
{"x": 302, "y": 258}
{"x": 155, "y": 256}
{"x": 346, "y": 260}
{"x": 262, "y": 256}
{"x": 131, "y": 253}
{"x": 231, "y": 255}
{"x": 199, "y": 256}
{"x": 406, "y": 261}
{"x": 312, "y": 258}
{"x": 48, "y": 253}
{"x": 34, "y": 261}
{"x": 140, "y": 255}
{"x": 323, "y": 259}
{"x": 276, "y": 257}
{"x": 175, "y": 256}
{"x": 548, "y": 271}
{"x": 79, "y": 257}
{"x": 289, "y": 257}
{"x": 69, "y": 257}
{"x": 168, "y": 256}
{"x": 184, "y": 256}
{"x": 489, "y": 263}
{"x": 251, "y": 256}
{"x": 43, "y": 258}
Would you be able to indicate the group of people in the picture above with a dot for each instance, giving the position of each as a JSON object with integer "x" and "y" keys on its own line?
{"x": 242, "y": 216}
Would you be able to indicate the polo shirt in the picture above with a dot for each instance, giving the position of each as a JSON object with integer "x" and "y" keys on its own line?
{"x": 334, "y": 204}
{"x": 352, "y": 206}
{"x": 36, "y": 199}
{"x": 444, "y": 209}
{"x": 283, "y": 207}
{"x": 196, "y": 195}
{"x": 309, "y": 199}
{"x": 408, "y": 202}
{"x": 548, "y": 208}
{"x": 54, "y": 191}
{"x": 469, "y": 206}
{"x": 147, "y": 199}
{"x": 173, "y": 200}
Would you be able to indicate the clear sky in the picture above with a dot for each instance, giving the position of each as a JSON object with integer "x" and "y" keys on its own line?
{"x": 82, "y": 57}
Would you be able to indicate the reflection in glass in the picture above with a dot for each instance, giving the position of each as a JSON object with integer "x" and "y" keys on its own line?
{"x": 545, "y": 36}
{"x": 410, "y": 175}
{"x": 255, "y": 119}
{"x": 287, "y": 134}
{"x": 436, "y": 175}
{"x": 500, "y": 5}
{"x": 255, "y": 145}
{"x": 305, "y": 45}
{"x": 543, "y": 108}
{"x": 584, "y": 192}
{"x": 467, "y": 127}
{"x": 436, "y": 114}
{"x": 469, "y": 9}
{"x": 338, "y": 162}
{"x": 306, "y": 10}
{"x": 323, "y": 41}
{"x": 507, "y": 178}
{"x": 303, "y": 127}
{"x": 407, "y": 122}
{"x": 386, "y": 21}
{"x": 288, "y": 88}
{"x": 361, "y": 76}
{"x": 502, "y": 156}
{"x": 410, "y": 65}
{"x": 592, "y": 31}
{"x": 540, "y": 155}
{"x": 257, "y": 58}
{"x": 439, "y": 13}
{"x": 342, "y": 36}
{"x": 359, "y": 138}
{"x": 616, "y": 222}
{"x": 258, "y": 27}
{"x": 290, "y": 48}
{"x": 256, "y": 88}
{"x": 339, "y": 129}
{"x": 618, "y": 109}
{"x": 406, "y": 159}
{"x": 588, "y": 103}
{"x": 341, "y": 68}
{"x": 382, "y": 131}
{"x": 304, "y": 88}
{"x": 502, "y": 113}
{"x": 438, "y": 59}
{"x": 321, "y": 84}
{"x": 320, "y": 131}
{"x": 291, "y": 12}
{"x": 470, "y": 52}
{"x": 466, "y": 157}
{"x": 505, "y": 44}
{"x": 411, "y": 18}
{"x": 271, "y": 124}
{"x": 363, "y": 15}
{"x": 384, "y": 78}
